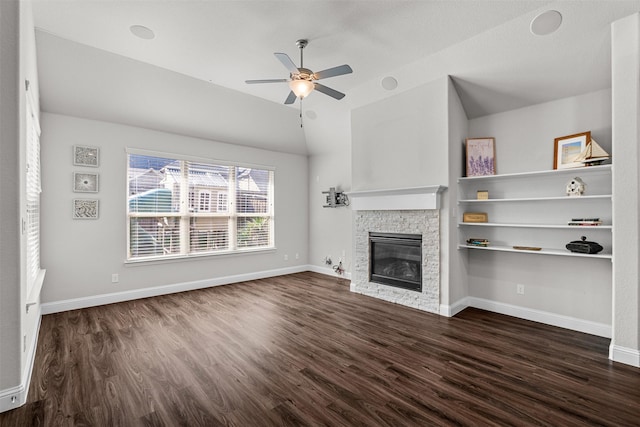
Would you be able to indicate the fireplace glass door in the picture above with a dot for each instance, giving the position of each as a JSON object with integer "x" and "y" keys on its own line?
{"x": 396, "y": 260}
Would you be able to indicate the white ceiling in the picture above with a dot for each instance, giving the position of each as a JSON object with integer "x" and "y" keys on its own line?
{"x": 496, "y": 63}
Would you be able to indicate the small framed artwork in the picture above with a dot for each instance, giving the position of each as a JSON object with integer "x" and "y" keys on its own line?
{"x": 86, "y": 156}
{"x": 567, "y": 148}
{"x": 85, "y": 209}
{"x": 481, "y": 156}
{"x": 85, "y": 182}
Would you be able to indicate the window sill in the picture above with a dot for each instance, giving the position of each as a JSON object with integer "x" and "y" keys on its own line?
{"x": 200, "y": 256}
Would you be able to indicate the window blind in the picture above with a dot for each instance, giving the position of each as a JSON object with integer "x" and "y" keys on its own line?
{"x": 181, "y": 207}
{"x": 32, "y": 196}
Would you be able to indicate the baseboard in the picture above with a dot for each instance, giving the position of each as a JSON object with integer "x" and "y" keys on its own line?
{"x": 567, "y": 322}
{"x": 455, "y": 308}
{"x": 628, "y": 356}
{"x": 586, "y": 326}
{"x": 328, "y": 271}
{"x": 15, "y": 397}
{"x": 95, "y": 300}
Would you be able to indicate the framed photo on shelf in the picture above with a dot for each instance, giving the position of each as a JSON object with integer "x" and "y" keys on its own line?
{"x": 86, "y": 156}
{"x": 481, "y": 156}
{"x": 85, "y": 182}
{"x": 85, "y": 209}
{"x": 567, "y": 148}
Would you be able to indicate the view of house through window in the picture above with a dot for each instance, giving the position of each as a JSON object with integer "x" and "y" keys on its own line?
{"x": 179, "y": 207}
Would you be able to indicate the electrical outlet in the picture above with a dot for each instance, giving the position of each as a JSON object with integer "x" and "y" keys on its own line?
{"x": 520, "y": 289}
{"x": 115, "y": 278}
{"x": 297, "y": 255}
{"x": 286, "y": 257}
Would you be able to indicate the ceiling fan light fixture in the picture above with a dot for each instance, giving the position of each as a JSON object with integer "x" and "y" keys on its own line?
{"x": 301, "y": 88}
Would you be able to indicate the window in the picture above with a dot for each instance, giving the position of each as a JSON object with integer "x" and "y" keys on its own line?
{"x": 33, "y": 189}
{"x": 178, "y": 207}
{"x": 205, "y": 201}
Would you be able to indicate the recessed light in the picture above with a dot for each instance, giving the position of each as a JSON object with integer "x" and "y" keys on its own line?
{"x": 546, "y": 23}
{"x": 389, "y": 83}
{"x": 142, "y": 32}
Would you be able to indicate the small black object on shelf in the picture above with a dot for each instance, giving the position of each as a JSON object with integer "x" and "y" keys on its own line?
{"x": 583, "y": 246}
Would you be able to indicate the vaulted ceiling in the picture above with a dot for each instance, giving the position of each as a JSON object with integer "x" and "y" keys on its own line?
{"x": 190, "y": 78}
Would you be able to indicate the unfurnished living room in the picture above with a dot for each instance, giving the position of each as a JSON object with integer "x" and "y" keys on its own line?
{"x": 257, "y": 213}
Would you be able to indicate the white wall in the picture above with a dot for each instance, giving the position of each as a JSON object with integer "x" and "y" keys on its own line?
{"x": 402, "y": 141}
{"x": 328, "y": 137}
{"x": 330, "y": 231}
{"x": 81, "y": 255}
{"x": 524, "y": 137}
{"x": 455, "y": 272}
{"x": 625, "y": 346}
{"x": 18, "y": 329}
{"x": 574, "y": 287}
{"x": 10, "y": 325}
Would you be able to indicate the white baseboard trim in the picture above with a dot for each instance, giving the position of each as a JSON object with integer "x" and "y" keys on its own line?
{"x": 328, "y": 271}
{"x": 455, "y": 308}
{"x": 628, "y": 356}
{"x": 95, "y": 300}
{"x": 586, "y": 326}
{"x": 14, "y": 397}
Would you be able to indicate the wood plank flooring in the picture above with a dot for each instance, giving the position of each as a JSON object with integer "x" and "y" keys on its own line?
{"x": 302, "y": 350}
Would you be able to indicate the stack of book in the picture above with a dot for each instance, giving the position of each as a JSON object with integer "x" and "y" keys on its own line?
{"x": 581, "y": 222}
{"x": 478, "y": 242}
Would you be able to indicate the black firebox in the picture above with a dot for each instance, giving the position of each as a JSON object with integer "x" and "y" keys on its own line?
{"x": 396, "y": 260}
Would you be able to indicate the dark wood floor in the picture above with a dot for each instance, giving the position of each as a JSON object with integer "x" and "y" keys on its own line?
{"x": 302, "y": 350}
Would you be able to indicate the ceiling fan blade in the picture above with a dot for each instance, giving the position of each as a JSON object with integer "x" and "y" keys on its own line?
{"x": 266, "y": 81}
{"x": 291, "y": 98}
{"x": 287, "y": 62}
{"x": 332, "y": 72}
{"x": 328, "y": 91}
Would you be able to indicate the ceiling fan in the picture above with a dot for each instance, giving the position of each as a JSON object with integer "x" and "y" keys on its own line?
{"x": 302, "y": 81}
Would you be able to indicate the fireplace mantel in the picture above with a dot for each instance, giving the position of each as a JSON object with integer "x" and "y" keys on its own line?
{"x": 411, "y": 198}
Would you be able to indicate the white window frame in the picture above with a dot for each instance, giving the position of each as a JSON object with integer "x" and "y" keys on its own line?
{"x": 185, "y": 214}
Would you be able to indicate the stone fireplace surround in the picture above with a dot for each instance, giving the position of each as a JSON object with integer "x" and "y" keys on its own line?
{"x": 409, "y": 210}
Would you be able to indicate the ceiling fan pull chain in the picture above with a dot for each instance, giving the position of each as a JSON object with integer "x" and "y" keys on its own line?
{"x": 301, "y": 113}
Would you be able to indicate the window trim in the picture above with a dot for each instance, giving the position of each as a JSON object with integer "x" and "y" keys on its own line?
{"x": 233, "y": 249}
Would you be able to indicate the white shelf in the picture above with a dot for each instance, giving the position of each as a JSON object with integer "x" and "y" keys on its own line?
{"x": 532, "y": 207}
{"x": 544, "y": 251}
{"x": 558, "y": 172}
{"x": 561, "y": 226}
{"x": 538, "y": 199}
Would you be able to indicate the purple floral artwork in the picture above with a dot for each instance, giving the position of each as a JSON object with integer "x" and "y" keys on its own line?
{"x": 480, "y": 157}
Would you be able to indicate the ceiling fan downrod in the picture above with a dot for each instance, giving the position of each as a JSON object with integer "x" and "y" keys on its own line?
{"x": 302, "y": 43}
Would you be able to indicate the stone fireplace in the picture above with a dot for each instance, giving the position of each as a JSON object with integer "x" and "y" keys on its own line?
{"x": 402, "y": 212}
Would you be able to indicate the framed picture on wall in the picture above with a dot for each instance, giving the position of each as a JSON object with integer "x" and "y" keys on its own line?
{"x": 481, "y": 156}
{"x": 85, "y": 209}
{"x": 86, "y": 156}
{"x": 567, "y": 148}
{"x": 85, "y": 182}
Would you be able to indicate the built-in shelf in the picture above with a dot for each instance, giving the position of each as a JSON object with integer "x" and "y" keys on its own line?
{"x": 544, "y": 251}
{"x": 530, "y": 209}
{"x": 557, "y": 172}
{"x": 562, "y": 226}
{"x": 538, "y": 199}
